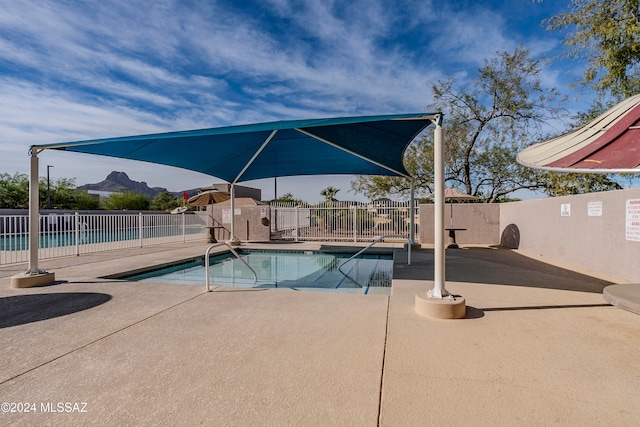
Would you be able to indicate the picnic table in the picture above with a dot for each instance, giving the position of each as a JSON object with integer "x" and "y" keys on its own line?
{"x": 451, "y": 242}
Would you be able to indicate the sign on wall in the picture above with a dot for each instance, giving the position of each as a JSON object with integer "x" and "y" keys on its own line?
{"x": 565, "y": 209}
{"x": 594, "y": 209}
{"x": 632, "y": 231}
{"x": 226, "y": 216}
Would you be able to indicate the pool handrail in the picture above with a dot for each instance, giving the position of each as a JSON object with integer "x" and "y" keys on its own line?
{"x": 376, "y": 240}
{"x": 206, "y": 264}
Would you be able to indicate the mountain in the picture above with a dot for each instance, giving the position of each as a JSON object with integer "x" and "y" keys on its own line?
{"x": 120, "y": 182}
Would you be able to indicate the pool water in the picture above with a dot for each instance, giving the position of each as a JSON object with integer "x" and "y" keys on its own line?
{"x": 298, "y": 270}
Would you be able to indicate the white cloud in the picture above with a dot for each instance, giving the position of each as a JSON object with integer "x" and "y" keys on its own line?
{"x": 110, "y": 68}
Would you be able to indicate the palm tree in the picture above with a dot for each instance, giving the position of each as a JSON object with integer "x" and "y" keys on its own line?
{"x": 329, "y": 193}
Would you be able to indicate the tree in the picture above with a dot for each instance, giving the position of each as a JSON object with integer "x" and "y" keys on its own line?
{"x": 329, "y": 193}
{"x": 418, "y": 161}
{"x": 560, "y": 184}
{"x": 64, "y": 195}
{"x": 504, "y": 110}
{"x": 85, "y": 201}
{"x": 607, "y": 35}
{"x": 164, "y": 202}
{"x": 288, "y": 198}
{"x": 127, "y": 201}
{"x": 14, "y": 191}
{"x": 487, "y": 122}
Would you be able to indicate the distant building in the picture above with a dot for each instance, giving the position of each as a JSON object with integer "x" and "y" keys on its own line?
{"x": 253, "y": 193}
{"x": 101, "y": 194}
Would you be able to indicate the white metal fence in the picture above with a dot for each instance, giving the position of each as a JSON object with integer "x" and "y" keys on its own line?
{"x": 341, "y": 221}
{"x": 74, "y": 233}
{"x": 66, "y": 234}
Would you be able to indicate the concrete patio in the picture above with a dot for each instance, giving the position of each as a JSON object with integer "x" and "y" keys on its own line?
{"x": 539, "y": 346}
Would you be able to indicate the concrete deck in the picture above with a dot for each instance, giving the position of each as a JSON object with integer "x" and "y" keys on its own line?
{"x": 539, "y": 346}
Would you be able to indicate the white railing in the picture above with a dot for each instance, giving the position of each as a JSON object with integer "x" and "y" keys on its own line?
{"x": 207, "y": 284}
{"x": 339, "y": 221}
{"x": 370, "y": 245}
{"x": 65, "y": 234}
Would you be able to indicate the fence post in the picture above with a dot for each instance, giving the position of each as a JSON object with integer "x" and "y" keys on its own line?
{"x": 184, "y": 232}
{"x": 297, "y": 213}
{"x": 77, "y": 223}
{"x": 355, "y": 224}
{"x": 140, "y": 228}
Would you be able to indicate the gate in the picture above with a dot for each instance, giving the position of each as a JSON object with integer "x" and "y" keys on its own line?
{"x": 341, "y": 221}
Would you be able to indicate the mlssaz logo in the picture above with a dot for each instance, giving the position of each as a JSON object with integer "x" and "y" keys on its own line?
{"x": 63, "y": 407}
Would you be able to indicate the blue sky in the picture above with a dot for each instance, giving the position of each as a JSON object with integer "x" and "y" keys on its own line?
{"x": 74, "y": 70}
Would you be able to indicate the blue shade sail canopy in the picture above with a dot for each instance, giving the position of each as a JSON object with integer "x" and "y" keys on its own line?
{"x": 370, "y": 145}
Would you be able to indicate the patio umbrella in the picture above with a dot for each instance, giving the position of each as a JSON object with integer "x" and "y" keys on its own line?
{"x": 178, "y": 210}
{"x": 457, "y": 195}
{"x": 607, "y": 144}
{"x": 208, "y": 197}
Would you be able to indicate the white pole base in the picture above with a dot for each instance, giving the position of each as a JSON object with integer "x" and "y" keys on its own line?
{"x": 441, "y": 308}
{"x": 233, "y": 242}
{"x": 27, "y": 280}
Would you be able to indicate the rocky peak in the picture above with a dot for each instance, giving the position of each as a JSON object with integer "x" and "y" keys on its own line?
{"x": 120, "y": 182}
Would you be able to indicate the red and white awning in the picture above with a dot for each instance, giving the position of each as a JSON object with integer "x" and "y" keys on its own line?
{"x": 608, "y": 144}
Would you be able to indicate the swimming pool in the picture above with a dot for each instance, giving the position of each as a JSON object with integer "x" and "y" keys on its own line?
{"x": 297, "y": 270}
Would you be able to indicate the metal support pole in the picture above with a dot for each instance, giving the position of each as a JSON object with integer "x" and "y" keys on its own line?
{"x": 439, "y": 290}
{"x": 33, "y": 276}
{"x": 233, "y": 213}
{"x": 34, "y": 220}
{"x": 234, "y": 239}
{"x": 275, "y": 201}
{"x": 412, "y": 213}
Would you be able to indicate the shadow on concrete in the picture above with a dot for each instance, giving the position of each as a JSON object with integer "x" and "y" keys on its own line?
{"x": 473, "y": 313}
{"x": 497, "y": 266}
{"x": 544, "y": 307}
{"x": 22, "y": 309}
{"x": 220, "y": 289}
{"x": 478, "y": 313}
{"x": 278, "y": 242}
